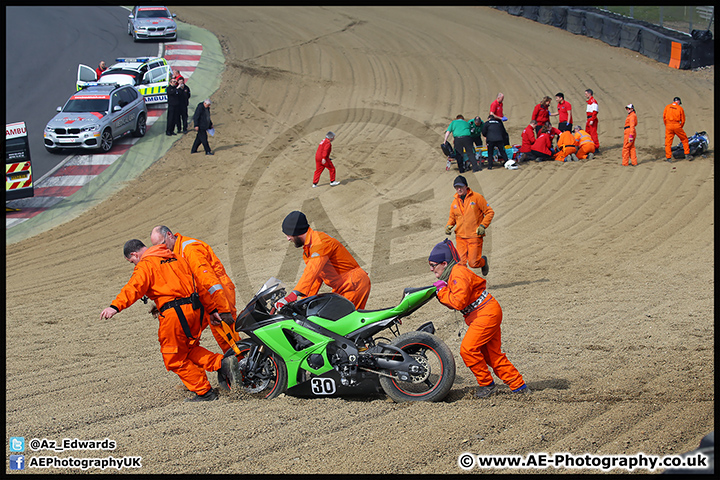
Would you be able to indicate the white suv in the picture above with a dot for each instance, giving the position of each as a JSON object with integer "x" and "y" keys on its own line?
{"x": 95, "y": 116}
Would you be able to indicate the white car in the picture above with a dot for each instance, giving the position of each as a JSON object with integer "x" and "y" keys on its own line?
{"x": 95, "y": 116}
{"x": 149, "y": 75}
{"x": 152, "y": 23}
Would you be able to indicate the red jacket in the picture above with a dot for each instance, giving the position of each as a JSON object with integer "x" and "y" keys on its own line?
{"x": 563, "y": 109}
{"x": 542, "y": 144}
{"x": 528, "y": 138}
{"x": 323, "y": 151}
{"x": 592, "y": 109}
{"x": 541, "y": 114}
{"x": 496, "y": 108}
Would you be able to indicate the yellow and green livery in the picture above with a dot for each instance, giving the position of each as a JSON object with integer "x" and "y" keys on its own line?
{"x": 149, "y": 75}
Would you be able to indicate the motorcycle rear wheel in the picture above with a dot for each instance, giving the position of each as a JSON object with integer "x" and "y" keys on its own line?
{"x": 435, "y": 356}
{"x": 273, "y": 367}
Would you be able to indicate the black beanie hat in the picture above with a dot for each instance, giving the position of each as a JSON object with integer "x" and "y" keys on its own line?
{"x": 295, "y": 224}
{"x": 460, "y": 180}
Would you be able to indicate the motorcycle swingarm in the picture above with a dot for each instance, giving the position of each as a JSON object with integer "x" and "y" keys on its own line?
{"x": 400, "y": 367}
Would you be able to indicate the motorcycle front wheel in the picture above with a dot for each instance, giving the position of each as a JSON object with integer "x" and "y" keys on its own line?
{"x": 269, "y": 379}
{"x": 439, "y": 365}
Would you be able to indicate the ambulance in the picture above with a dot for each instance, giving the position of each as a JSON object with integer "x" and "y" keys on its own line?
{"x": 149, "y": 75}
{"x": 18, "y": 167}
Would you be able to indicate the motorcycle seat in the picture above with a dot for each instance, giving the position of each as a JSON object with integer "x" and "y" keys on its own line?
{"x": 329, "y": 306}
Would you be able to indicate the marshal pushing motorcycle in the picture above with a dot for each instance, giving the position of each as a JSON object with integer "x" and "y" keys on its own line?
{"x": 322, "y": 346}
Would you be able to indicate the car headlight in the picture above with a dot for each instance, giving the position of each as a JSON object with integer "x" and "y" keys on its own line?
{"x": 49, "y": 129}
{"x": 171, "y": 29}
{"x": 90, "y": 128}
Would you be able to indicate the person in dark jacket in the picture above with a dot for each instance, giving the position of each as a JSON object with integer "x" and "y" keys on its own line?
{"x": 495, "y": 136}
{"x": 203, "y": 123}
{"x": 476, "y": 131}
{"x": 173, "y": 110}
{"x": 184, "y": 101}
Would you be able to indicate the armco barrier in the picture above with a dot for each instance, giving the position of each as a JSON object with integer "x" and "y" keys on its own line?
{"x": 673, "y": 48}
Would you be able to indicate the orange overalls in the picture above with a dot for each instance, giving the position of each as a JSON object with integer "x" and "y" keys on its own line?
{"x": 565, "y": 145}
{"x": 584, "y": 144}
{"x": 467, "y": 215}
{"x": 328, "y": 261}
{"x": 167, "y": 280}
{"x": 482, "y": 345}
{"x": 674, "y": 120}
{"x": 628, "y": 151}
{"x": 209, "y": 272}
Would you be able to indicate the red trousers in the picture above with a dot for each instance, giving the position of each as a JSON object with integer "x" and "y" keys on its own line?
{"x": 319, "y": 167}
{"x": 470, "y": 251}
{"x": 592, "y": 131}
{"x": 481, "y": 348}
{"x": 185, "y": 356}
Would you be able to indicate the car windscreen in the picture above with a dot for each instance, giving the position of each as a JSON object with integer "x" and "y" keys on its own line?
{"x": 79, "y": 105}
{"x": 119, "y": 71}
{"x": 155, "y": 13}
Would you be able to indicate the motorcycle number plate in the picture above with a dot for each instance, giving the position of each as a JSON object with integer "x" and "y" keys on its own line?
{"x": 322, "y": 386}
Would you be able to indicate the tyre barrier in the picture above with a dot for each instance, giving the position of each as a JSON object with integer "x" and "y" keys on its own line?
{"x": 676, "y": 49}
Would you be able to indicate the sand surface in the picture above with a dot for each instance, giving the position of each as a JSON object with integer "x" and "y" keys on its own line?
{"x": 604, "y": 272}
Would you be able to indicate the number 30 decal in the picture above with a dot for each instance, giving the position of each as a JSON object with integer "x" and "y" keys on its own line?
{"x": 322, "y": 386}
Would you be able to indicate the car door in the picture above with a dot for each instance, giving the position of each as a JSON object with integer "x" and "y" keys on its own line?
{"x": 154, "y": 84}
{"x": 131, "y": 107}
{"x": 117, "y": 116}
{"x": 85, "y": 75}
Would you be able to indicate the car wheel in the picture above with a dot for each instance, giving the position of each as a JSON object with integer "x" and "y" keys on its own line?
{"x": 141, "y": 127}
{"x": 129, "y": 29}
{"x": 106, "y": 141}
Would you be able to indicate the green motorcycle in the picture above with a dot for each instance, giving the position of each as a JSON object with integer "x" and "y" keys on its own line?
{"x": 320, "y": 346}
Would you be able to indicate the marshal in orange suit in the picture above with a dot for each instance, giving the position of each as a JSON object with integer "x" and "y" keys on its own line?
{"x": 470, "y": 215}
{"x": 326, "y": 261}
{"x": 167, "y": 280}
{"x": 461, "y": 289}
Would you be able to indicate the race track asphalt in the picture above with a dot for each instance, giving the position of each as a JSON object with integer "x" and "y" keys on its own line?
{"x": 204, "y": 82}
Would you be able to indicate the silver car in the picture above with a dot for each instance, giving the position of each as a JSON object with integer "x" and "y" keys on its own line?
{"x": 152, "y": 23}
{"x": 95, "y": 116}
